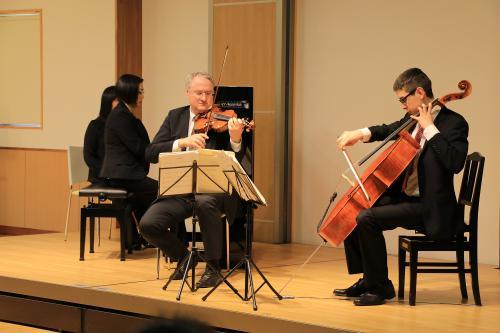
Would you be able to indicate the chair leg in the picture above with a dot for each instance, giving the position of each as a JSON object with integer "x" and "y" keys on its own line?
{"x": 228, "y": 263}
{"x": 110, "y": 225}
{"x": 128, "y": 228}
{"x": 67, "y": 214}
{"x": 401, "y": 269}
{"x": 83, "y": 230}
{"x": 475, "y": 276}
{"x": 413, "y": 275}
{"x": 461, "y": 272}
{"x": 136, "y": 223}
{"x": 125, "y": 233}
{"x": 158, "y": 255}
{"x": 123, "y": 236}
{"x": 98, "y": 231}
{"x": 91, "y": 233}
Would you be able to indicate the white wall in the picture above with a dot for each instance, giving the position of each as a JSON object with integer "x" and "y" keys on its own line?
{"x": 78, "y": 63}
{"x": 175, "y": 43}
{"x": 348, "y": 54}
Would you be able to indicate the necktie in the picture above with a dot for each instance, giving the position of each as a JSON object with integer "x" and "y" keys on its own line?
{"x": 190, "y": 129}
{"x": 418, "y": 136}
{"x": 412, "y": 166}
{"x": 191, "y": 126}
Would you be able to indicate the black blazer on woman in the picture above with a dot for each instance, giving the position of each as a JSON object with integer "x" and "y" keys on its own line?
{"x": 93, "y": 148}
{"x": 125, "y": 139}
{"x": 441, "y": 157}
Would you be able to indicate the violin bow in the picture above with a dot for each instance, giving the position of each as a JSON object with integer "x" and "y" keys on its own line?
{"x": 218, "y": 83}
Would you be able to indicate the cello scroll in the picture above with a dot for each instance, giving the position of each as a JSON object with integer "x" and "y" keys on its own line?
{"x": 462, "y": 85}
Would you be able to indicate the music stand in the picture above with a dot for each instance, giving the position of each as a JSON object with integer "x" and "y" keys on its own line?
{"x": 247, "y": 190}
{"x": 190, "y": 173}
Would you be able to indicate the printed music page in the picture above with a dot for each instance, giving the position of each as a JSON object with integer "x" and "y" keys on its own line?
{"x": 176, "y": 172}
{"x": 240, "y": 180}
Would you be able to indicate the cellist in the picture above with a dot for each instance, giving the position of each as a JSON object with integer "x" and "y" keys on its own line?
{"x": 423, "y": 197}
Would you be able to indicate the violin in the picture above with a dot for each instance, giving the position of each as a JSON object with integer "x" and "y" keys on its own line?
{"x": 217, "y": 119}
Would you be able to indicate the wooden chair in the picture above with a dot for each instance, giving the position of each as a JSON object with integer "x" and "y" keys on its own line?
{"x": 102, "y": 201}
{"x": 77, "y": 175}
{"x": 78, "y": 172}
{"x": 465, "y": 240}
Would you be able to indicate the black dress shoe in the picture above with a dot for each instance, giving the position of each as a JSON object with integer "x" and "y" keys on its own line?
{"x": 368, "y": 298}
{"x": 353, "y": 291}
{"x": 209, "y": 279}
{"x": 376, "y": 295}
{"x": 178, "y": 274}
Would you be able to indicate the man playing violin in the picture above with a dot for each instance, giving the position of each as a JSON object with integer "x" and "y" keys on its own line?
{"x": 163, "y": 223}
{"x": 423, "y": 198}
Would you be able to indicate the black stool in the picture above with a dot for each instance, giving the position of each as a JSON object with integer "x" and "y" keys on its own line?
{"x": 119, "y": 208}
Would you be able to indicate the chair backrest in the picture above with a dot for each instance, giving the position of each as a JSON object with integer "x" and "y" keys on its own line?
{"x": 78, "y": 170}
{"x": 470, "y": 190}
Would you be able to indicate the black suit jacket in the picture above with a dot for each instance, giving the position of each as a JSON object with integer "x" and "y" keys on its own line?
{"x": 176, "y": 126}
{"x": 93, "y": 148}
{"x": 441, "y": 157}
{"x": 125, "y": 141}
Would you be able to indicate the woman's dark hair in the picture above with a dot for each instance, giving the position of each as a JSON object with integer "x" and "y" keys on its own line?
{"x": 107, "y": 98}
{"x": 127, "y": 88}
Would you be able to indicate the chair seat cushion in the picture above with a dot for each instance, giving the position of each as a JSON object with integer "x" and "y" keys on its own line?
{"x": 423, "y": 243}
{"x": 98, "y": 190}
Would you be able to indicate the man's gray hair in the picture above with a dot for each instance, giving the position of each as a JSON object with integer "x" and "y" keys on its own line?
{"x": 191, "y": 76}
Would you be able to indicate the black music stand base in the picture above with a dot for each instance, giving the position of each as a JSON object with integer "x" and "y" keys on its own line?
{"x": 248, "y": 263}
{"x": 194, "y": 254}
{"x": 190, "y": 262}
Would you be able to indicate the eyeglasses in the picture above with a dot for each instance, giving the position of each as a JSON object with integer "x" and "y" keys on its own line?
{"x": 402, "y": 100}
{"x": 199, "y": 93}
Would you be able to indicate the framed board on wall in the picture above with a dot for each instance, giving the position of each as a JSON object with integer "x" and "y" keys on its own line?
{"x": 21, "y": 104}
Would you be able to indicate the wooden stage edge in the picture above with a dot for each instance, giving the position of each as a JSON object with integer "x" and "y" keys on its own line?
{"x": 43, "y": 284}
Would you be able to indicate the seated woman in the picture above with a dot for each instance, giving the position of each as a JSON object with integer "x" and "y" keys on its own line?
{"x": 93, "y": 144}
{"x": 125, "y": 142}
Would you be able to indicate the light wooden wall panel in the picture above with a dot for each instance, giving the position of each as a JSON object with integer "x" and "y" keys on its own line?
{"x": 12, "y": 187}
{"x": 264, "y": 163}
{"x": 34, "y": 190}
{"x": 249, "y": 29}
{"x": 46, "y": 184}
{"x": 129, "y": 40}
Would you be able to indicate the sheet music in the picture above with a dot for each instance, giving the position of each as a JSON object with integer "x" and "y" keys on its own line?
{"x": 240, "y": 181}
{"x": 176, "y": 174}
{"x": 218, "y": 172}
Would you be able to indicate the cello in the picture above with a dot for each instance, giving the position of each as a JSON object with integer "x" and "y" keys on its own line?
{"x": 378, "y": 177}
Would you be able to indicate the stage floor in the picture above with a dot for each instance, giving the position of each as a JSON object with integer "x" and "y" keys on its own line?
{"x": 46, "y": 266}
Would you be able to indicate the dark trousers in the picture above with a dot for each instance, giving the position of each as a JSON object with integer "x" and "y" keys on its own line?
{"x": 365, "y": 247}
{"x": 163, "y": 222}
{"x": 144, "y": 193}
